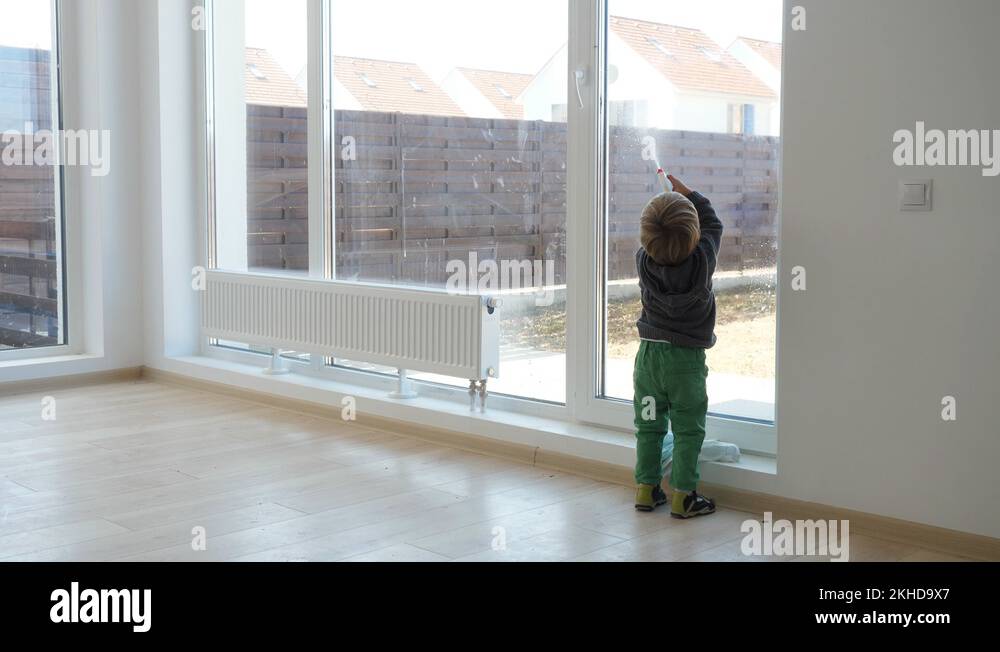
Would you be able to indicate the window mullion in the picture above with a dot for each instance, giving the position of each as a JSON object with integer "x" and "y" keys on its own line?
{"x": 583, "y": 196}
{"x": 320, "y": 137}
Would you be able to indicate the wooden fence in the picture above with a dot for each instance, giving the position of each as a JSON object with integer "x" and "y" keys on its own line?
{"x": 415, "y": 191}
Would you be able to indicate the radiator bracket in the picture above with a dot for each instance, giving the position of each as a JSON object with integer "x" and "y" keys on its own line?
{"x": 404, "y": 387}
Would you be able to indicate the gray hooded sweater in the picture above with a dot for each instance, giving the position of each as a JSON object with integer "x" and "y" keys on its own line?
{"x": 678, "y": 305}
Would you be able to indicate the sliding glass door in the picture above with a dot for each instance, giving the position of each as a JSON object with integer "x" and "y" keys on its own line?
{"x": 694, "y": 87}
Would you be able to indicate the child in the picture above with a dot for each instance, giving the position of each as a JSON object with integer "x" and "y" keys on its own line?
{"x": 680, "y": 236}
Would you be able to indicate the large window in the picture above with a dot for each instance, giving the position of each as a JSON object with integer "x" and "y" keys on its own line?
{"x": 709, "y": 74}
{"x": 401, "y": 143}
{"x": 451, "y": 161}
{"x": 447, "y": 157}
{"x": 32, "y": 311}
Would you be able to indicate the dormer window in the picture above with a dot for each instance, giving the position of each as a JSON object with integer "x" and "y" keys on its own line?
{"x": 659, "y": 46}
{"x": 414, "y": 85}
{"x": 367, "y": 80}
{"x": 712, "y": 55}
{"x": 503, "y": 92}
{"x": 255, "y": 71}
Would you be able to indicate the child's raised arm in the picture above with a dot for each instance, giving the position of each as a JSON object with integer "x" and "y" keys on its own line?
{"x": 711, "y": 225}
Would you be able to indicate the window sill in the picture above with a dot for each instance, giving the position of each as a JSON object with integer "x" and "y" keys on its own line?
{"x": 603, "y": 445}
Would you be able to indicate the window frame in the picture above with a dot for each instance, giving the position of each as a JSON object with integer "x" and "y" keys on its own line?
{"x": 586, "y": 232}
{"x": 66, "y": 232}
{"x": 589, "y": 190}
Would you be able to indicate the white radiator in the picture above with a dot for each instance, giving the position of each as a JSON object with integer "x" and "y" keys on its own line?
{"x": 414, "y": 329}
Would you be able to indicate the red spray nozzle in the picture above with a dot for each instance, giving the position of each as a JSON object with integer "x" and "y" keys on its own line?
{"x": 664, "y": 181}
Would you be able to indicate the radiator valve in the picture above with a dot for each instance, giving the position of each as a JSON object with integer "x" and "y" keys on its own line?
{"x": 482, "y": 395}
{"x": 477, "y": 388}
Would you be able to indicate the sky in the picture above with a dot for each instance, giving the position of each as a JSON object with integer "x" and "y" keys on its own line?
{"x": 438, "y": 35}
{"x": 512, "y": 35}
{"x": 26, "y": 24}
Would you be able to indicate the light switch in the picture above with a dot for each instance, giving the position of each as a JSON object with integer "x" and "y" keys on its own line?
{"x": 915, "y": 195}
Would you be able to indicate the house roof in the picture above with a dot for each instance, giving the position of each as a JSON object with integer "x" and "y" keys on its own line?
{"x": 770, "y": 51}
{"x": 395, "y": 85}
{"x": 688, "y": 58}
{"x": 268, "y": 84}
{"x": 500, "y": 88}
{"x": 392, "y": 86}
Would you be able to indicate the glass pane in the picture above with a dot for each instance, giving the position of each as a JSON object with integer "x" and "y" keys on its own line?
{"x": 31, "y": 253}
{"x": 450, "y": 136}
{"x": 298, "y": 356}
{"x": 260, "y": 133}
{"x": 694, "y": 87}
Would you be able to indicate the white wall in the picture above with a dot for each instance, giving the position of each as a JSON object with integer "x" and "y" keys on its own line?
{"x": 901, "y": 309}
{"x": 768, "y": 119}
{"x": 342, "y": 98}
{"x": 548, "y": 88}
{"x": 758, "y": 65}
{"x": 701, "y": 113}
{"x": 711, "y": 113}
{"x": 637, "y": 80}
{"x": 171, "y": 164}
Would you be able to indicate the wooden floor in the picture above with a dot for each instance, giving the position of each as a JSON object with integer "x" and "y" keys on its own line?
{"x": 128, "y": 471}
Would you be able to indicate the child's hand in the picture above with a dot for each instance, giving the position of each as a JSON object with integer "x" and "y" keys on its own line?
{"x": 679, "y": 186}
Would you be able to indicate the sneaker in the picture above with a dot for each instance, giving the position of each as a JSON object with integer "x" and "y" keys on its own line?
{"x": 688, "y": 505}
{"x": 648, "y": 497}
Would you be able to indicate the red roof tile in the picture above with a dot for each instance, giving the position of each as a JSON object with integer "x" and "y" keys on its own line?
{"x": 500, "y": 88}
{"x": 770, "y": 51}
{"x": 392, "y": 86}
{"x": 268, "y": 83}
{"x": 688, "y": 58}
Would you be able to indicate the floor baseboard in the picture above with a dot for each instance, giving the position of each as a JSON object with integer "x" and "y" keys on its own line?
{"x": 16, "y": 387}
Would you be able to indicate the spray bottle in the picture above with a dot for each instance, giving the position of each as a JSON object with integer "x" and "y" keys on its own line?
{"x": 664, "y": 181}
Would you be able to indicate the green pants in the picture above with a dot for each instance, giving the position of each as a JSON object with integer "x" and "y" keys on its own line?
{"x": 669, "y": 388}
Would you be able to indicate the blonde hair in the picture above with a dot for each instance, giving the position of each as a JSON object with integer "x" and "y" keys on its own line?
{"x": 669, "y": 228}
